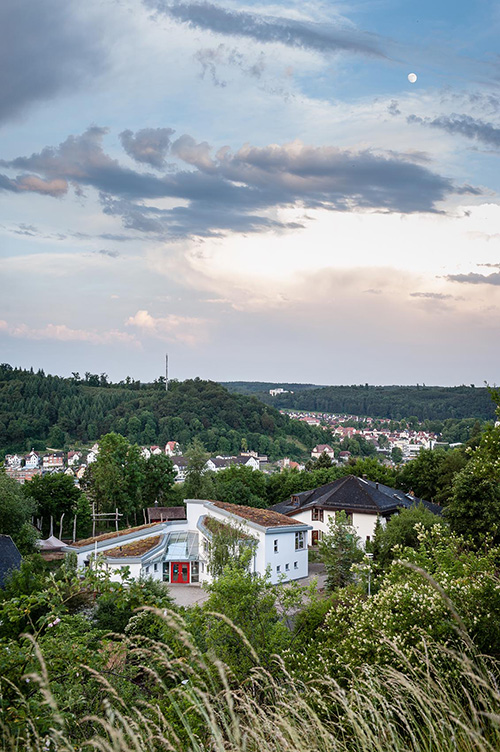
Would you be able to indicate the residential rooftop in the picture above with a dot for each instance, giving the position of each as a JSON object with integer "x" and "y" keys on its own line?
{"x": 110, "y": 536}
{"x": 136, "y": 548}
{"x": 263, "y": 517}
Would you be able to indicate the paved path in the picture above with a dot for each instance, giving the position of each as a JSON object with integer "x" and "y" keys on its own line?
{"x": 188, "y": 595}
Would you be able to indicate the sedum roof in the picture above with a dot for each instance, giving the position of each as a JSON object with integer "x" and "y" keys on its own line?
{"x": 136, "y": 548}
{"x": 263, "y": 517}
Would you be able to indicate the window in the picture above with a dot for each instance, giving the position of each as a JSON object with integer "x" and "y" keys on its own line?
{"x": 195, "y": 569}
{"x": 156, "y": 567}
{"x": 287, "y": 567}
{"x": 166, "y": 571}
{"x": 278, "y": 568}
{"x": 295, "y": 564}
{"x": 147, "y": 570}
{"x": 318, "y": 514}
{"x": 299, "y": 540}
{"x": 275, "y": 545}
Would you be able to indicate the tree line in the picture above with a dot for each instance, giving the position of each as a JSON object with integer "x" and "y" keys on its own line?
{"x": 393, "y": 402}
{"x": 39, "y": 411}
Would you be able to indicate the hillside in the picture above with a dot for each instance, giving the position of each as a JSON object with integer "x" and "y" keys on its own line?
{"x": 394, "y": 402}
{"x": 49, "y": 411}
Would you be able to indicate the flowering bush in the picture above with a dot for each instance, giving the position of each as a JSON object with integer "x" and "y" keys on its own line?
{"x": 439, "y": 594}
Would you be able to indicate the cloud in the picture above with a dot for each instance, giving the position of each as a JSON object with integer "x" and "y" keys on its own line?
{"x": 64, "y": 333}
{"x": 148, "y": 146}
{"x": 171, "y": 328}
{"x": 475, "y": 279}
{"x": 323, "y": 38}
{"x": 393, "y": 108}
{"x": 233, "y": 191}
{"x": 463, "y": 125}
{"x": 431, "y": 295}
{"x": 104, "y": 252}
{"x": 45, "y": 48}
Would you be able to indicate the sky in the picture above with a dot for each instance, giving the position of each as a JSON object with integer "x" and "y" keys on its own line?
{"x": 256, "y": 189}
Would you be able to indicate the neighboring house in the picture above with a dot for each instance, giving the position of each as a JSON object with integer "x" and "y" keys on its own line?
{"x": 362, "y": 500}
{"x": 177, "y": 551}
{"x": 172, "y": 448}
{"x": 91, "y": 456}
{"x": 222, "y": 463}
{"x": 81, "y": 471}
{"x": 74, "y": 458}
{"x": 146, "y": 453}
{"x": 180, "y": 464}
{"x": 32, "y": 460}
{"x": 320, "y": 449}
{"x": 344, "y": 456}
{"x": 155, "y": 450}
{"x": 13, "y": 461}
{"x": 166, "y": 514}
{"x": 22, "y": 474}
{"x": 51, "y": 461}
{"x": 10, "y": 558}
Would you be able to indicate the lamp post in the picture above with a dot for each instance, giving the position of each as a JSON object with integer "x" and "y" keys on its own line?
{"x": 369, "y": 557}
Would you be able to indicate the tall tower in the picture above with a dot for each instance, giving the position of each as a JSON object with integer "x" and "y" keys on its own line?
{"x": 166, "y": 372}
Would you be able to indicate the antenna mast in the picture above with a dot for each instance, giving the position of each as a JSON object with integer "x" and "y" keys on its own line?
{"x": 166, "y": 372}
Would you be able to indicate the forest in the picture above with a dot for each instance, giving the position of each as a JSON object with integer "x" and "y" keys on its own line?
{"x": 393, "y": 402}
{"x": 39, "y": 411}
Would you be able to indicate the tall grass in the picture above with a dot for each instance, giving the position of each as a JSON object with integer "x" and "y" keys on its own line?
{"x": 193, "y": 703}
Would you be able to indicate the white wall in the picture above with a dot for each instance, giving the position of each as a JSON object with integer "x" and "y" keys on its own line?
{"x": 364, "y": 523}
{"x": 297, "y": 560}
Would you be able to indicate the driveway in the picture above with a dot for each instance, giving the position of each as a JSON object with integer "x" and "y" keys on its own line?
{"x": 187, "y": 595}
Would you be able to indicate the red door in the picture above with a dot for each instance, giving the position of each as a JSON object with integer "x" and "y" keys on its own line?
{"x": 179, "y": 574}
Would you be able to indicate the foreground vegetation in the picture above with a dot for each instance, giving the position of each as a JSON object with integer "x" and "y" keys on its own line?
{"x": 258, "y": 667}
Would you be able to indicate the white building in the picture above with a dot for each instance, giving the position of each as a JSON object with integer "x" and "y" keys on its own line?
{"x": 177, "y": 551}
{"x": 32, "y": 460}
{"x": 362, "y": 500}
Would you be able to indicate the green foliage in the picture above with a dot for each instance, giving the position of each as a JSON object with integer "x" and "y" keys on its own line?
{"x": 16, "y": 511}
{"x": 394, "y": 402}
{"x": 55, "y": 495}
{"x": 474, "y": 509}
{"x": 249, "y": 601}
{"x": 230, "y": 545}
{"x": 240, "y": 485}
{"x": 403, "y": 530}
{"x": 80, "y": 410}
{"x": 117, "y": 476}
{"x": 430, "y": 474}
{"x": 159, "y": 477}
{"x": 116, "y": 605}
{"x": 339, "y": 549}
{"x": 396, "y": 455}
{"x": 198, "y": 483}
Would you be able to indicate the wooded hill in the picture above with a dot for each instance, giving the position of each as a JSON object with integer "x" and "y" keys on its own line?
{"x": 38, "y": 410}
{"x": 394, "y": 402}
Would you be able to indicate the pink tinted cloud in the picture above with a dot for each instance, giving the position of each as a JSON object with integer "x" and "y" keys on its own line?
{"x": 64, "y": 333}
{"x": 171, "y": 328}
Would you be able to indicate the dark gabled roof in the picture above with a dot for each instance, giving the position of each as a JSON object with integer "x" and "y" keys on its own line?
{"x": 354, "y": 494}
{"x": 164, "y": 514}
{"x": 10, "y": 558}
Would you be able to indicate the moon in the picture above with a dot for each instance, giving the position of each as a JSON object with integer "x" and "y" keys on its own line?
{"x": 412, "y": 77}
